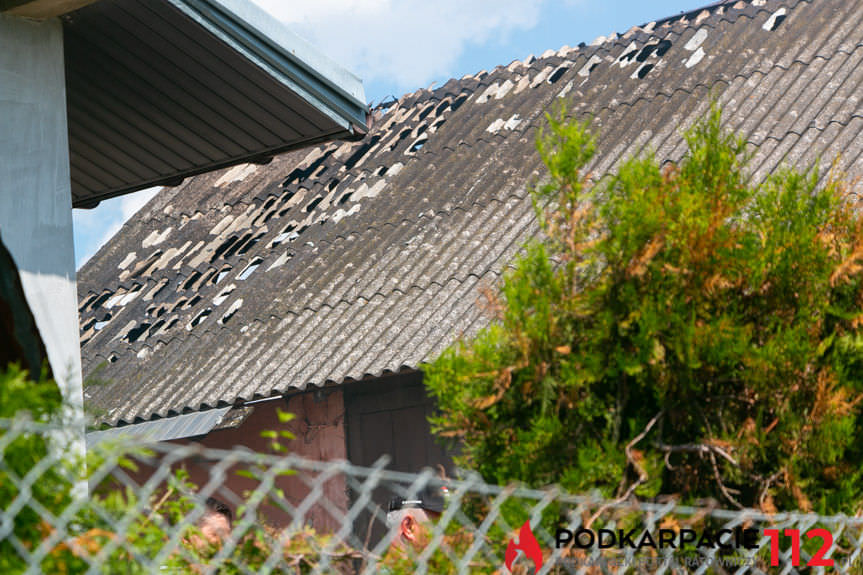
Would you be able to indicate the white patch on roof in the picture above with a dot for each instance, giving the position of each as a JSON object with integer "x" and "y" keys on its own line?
{"x": 395, "y": 169}
{"x": 565, "y": 90}
{"x": 504, "y": 89}
{"x": 155, "y": 238}
{"x": 487, "y": 93}
{"x": 770, "y": 25}
{"x": 236, "y": 174}
{"x": 280, "y": 261}
{"x": 585, "y": 70}
{"x": 697, "y": 40}
{"x": 501, "y": 124}
{"x": 624, "y": 62}
{"x": 231, "y": 311}
{"x": 495, "y": 126}
{"x": 130, "y": 257}
{"x": 337, "y": 217}
{"x": 223, "y": 223}
{"x": 223, "y": 295}
{"x": 523, "y": 83}
{"x": 697, "y": 57}
{"x": 512, "y": 123}
{"x": 540, "y": 78}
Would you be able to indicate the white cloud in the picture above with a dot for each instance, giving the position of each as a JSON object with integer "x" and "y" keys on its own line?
{"x": 408, "y": 42}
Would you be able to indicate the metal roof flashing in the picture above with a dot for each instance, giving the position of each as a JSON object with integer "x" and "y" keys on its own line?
{"x": 269, "y": 43}
{"x": 162, "y": 90}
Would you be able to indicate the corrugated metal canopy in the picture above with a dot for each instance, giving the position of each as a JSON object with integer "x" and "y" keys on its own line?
{"x": 179, "y": 427}
{"x": 165, "y": 89}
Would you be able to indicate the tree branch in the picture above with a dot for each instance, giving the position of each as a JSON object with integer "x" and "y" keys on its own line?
{"x": 642, "y": 474}
{"x": 701, "y": 448}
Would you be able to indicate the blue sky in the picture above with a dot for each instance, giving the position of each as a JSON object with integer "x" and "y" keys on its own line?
{"x": 398, "y": 46}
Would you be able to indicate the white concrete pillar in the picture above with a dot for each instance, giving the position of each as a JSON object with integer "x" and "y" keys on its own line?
{"x": 35, "y": 187}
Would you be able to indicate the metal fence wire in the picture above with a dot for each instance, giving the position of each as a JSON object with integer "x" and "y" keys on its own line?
{"x": 137, "y": 510}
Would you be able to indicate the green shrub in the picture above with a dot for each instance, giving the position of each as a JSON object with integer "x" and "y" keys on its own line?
{"x": 676, "y": 330}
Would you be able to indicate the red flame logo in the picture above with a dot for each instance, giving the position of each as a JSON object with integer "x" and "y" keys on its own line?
{"x": 526, "y": 543}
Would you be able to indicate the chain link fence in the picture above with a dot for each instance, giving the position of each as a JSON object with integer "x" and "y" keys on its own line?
{"x": 140, "y": 510}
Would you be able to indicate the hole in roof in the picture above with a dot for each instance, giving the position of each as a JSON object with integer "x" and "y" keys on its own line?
{"x": 381, "y": 171}
{"x": 351, "y": 161}
{"x": 237, "y": 245}
{"x": 179, "y": 303}
{"x": 646, "y": 52}
{"x": 644, "y": 70}
{"x": 199, "y": 318}
{"x": 192, "y": 279}
{"x": 459, "y": 101}
{"x": 161, "y": 288}
{"x": 313, "y": 204}
{"x": 223, "y": 295}
{"x": 557, "y": 74}
{"x": 155, "y": 327}
{"x": 112, "y": 358}
{"x": 345, "y": 198}
{"x": 417, "y": 146}
{"x": 299, "y": 231}
{"x": 161, "y": 311}
{"x": 250, "y": 244}
{"x": 402, "y": 135}
{"x": 269, "y": 216}
{"x": 282, "y": 237}
{"x": 222, "y": 273}
{"x": 332, "y": 185}
{"x": 172, "y": 323}
{"x": 223, "y": 248}
{"x": 88, "y": 324}
{"x": 231, "y": 311}
{"x": 426, "y": 111}
{"x": 207, "y": 276}
{"x": 269, "y": 203}
{"x": 250, "y": 269}
{"x": 422, "y": 129}
{"x": 441, "y": 108}
{"x": 136, "y": 332}
{"x": 775, "y": 20}
{"x": 88, "y": 301}
{"x": 145, "y": 265}
{"x": 193, "y": 301}
{"x": 102, "y": 322}
{"x": 102, "y": 298}
{"x": 663, "y": 47}
{"x": 628, "y": 57}
{"x": 303, "y": 173}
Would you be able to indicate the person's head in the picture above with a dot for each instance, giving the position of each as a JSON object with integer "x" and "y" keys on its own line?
{"x": 215, "y": 523}
{"x": 410, "y": 518}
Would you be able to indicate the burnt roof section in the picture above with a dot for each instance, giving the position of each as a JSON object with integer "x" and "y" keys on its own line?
{"x": 161, "y": 90}
{"x": 358, "y": 259}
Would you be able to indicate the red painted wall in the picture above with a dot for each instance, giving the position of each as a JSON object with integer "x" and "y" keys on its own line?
{"x": 320, "y": 435}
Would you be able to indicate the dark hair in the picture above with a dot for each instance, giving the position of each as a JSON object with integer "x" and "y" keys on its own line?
{"x": 216, "y": 506}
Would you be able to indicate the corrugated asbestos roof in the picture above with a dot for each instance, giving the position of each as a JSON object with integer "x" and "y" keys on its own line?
{"x": 165, "y": 89}
{"x": 357, "y": 259}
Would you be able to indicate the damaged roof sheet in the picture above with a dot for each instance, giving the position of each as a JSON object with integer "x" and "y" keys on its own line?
{"x": 357, "y": 259}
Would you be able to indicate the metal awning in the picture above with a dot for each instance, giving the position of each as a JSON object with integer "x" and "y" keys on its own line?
{"x": 179, "y": 427}
{"x": 165, "y": 89}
